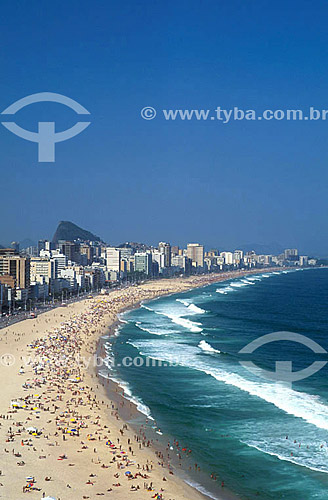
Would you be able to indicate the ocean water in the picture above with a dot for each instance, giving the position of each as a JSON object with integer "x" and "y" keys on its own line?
{"x": 264, "y": 439}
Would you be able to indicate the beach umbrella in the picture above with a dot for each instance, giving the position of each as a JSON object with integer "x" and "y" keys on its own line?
{"x": 48, "y": 498}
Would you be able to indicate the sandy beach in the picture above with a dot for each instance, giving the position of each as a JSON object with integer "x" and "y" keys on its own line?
{"x": 60, "y": 435}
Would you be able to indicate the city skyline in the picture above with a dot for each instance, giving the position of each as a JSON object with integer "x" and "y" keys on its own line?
{"x": 260, "y": 247}
{"x": 78, "y": 261}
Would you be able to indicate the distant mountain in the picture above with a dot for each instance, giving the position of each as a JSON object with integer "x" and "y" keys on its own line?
{"x": 68, "y": 231}
{"x": 26, "y": 243}
{"x": 270, "y": 249}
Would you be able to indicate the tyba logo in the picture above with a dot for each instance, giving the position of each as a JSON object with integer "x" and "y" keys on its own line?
{"x": 46, "y": 137}
{"x": 283, "y": 369}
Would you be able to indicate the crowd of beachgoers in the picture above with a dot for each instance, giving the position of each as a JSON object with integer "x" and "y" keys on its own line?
{"x": 61, "y": 436}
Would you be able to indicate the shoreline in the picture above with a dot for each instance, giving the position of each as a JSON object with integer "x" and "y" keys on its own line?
{"x": 57, "y": 425}
{"x": 118, "y": 389}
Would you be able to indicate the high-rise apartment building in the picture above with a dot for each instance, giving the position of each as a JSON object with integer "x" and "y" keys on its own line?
{"x": 228, "y": 258}
{"x": 159, "y": 257}
{"x": 165, "y": 248}
{"x": 195, "y": 252}
{"x": 113, "y": 259}
{"x": 42, "y": 270}
{"x": 290, "y": 253}
{"x": 15, "y": 266}
{"x": 175, "y": 250}
{"x": 238, "y": 256}
{"x": 44, "y": 245}
{"x": 143, "y": 262}
{"x": 60, "y": 260}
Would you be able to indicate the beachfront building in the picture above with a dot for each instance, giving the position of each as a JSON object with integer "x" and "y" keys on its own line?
{"x": 265, "y": 260}
{"x": 212, "y": 253}
{"x": 143, "y": 262}
{"x": 5, "y": 292}
{"x": 175, "y": 250}
{"x": 113, "y": 259}
{"x": 228, "y": 258}
{"x": 220, "y": 262}
{"x": 250, "y": 259}
{"x": 126, "y": 252}
{"x": 69, "y": 274}
{"x": 165, "y": 249}
{"x": 159, "y": 257}
{"x": 39, "y": 291}
{"x": 238, "y": 257}
{"x": 182, "y": 262}
{"x": 42, "y": 270}
{"x": 209, "y": 263}
{"x": 290, "y": 252}
{"x": 60, "y": 260}
{"x": 303, "y": 260}
{"x": 195, "y": 252}
{"x": 15, "y": 266}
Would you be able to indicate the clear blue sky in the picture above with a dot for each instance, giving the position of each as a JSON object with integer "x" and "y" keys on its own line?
{"x": 125, "y": 178}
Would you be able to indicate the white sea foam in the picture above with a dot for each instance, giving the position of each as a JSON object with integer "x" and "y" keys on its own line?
{"x": 238, "y": 284}
{"x": 305, "y": 406}
{"x": 310, "y": 461}
{"x": 141, "y": 407}
{"x": 152, "y": 332}
{"x": 248, "y": 282}
{"x": 201, "y": 489}
{"x": 301, "y": 405}
{"x": 191, "y": 307}
{"x": 196, "y": 309}
{"x": 204, "y": 346}
{"x": 193, "y": 326}
{"x": 226, "y": 290}
{"x": 146, "y": 307}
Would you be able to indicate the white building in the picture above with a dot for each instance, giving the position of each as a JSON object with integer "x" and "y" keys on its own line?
{"x": 228, "y": 258}
{"x": 61, "y": 262}
{"x": 70, "y": 276}
{"x": 238, "y": 256}
{"x": 42, "y": 270}
{"x": 113, "y": 259}
{"x": 180, "y": 261}
{"x": 303, "y": 260}
{"x": 159, "y": 257}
